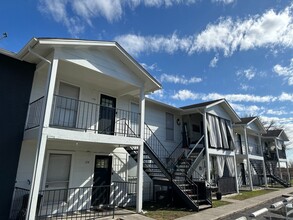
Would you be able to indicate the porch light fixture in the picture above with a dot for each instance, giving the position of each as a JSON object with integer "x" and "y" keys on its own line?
{"x": 178, "y": 121}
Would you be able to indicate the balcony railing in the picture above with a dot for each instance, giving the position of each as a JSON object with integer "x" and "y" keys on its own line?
{"x": 34, "y": 113}
{"x": 79, "y": 202}
{"x": 253, "y": 148}
{"x": 282, "y": 154}
{"x": 68, "y": 113}
{"x": 240, "y": 147}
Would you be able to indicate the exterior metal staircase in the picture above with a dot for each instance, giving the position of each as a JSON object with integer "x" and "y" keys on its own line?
{"x": 271, "y": 167}
{"x": 161, "y": 167}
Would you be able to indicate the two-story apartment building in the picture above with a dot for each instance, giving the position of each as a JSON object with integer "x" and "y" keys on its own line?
{"x": 80, "y": 117}
{"x": 274, "y": 154}
{"x": 249, "y": 152}
{"x": 91, "y": 135}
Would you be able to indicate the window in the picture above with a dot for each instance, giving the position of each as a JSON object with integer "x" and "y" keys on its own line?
{"x": 169, "y": 127}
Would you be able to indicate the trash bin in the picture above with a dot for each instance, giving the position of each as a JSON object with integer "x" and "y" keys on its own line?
{"x": 22, "y": 213}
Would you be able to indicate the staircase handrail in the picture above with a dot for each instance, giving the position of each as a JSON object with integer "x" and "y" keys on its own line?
{"x": 195, "y": 146}
{"x": 168, "y": 156}
{"x": 161, "y": 148}
{"x": 176, "y": 154}
{"x": 192, "y": 166}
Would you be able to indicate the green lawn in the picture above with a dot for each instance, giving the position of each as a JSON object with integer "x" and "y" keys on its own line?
{"x": 249, "y": 194}
{"x": 218, "y": 203}
{"x": 161, "y": 211}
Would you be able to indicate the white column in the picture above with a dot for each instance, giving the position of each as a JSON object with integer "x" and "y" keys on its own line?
{"x": 263, "y": 161}
{"x": 206, "y": 143}
{"x": 139, "y": 185}
{"x": 278, "y": 158}
{"x": 247, "y": 158}
{"x": 42, "y": 141}
{"x": 288, "y": 172}
{"x": 236, "y": 174}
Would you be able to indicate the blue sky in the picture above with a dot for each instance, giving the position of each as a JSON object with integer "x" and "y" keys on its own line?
{"x": 199, "y": 50}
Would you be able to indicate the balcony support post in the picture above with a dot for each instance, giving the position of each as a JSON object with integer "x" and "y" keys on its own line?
{"x": 278, "y": 157}
{"x": 42, "y": 139}
{"x": 247, "y": 159}
{"x": 139, "y": 185}
{"x": 206, "y": 143}
{"x": 263, "y": 161}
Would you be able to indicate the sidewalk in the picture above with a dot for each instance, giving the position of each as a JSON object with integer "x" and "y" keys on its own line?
{"x": 236, "y": 206}
{"x": 213, "y": 213}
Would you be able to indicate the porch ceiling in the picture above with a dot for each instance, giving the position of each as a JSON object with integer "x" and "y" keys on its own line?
{"x": 74, "y": 72}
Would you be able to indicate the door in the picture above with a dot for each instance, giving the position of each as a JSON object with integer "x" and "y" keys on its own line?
{"x": 102, "y": 180}
{"x": 107, "y": 115}
{"x": 66, "y": 106}
{"x": 57, "y": 180}
{"x": 243, "y": 173}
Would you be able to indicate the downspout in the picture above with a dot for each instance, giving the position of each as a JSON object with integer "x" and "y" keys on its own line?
{"x": 31, "y": 210}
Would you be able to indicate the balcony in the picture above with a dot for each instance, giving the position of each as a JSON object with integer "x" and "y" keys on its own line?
{"x": 253, "y": 148}
{"x": 73, "y": 114}
{"x": 282, "y": 154}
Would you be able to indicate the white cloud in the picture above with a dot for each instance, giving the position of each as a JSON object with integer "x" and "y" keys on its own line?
{"x": 179, "y": 79}
{"x": 269, "y": 30}
{"x": 185, "y": 94}
{"x": 286, "y": 97}
{"x": 152, "y": 67}
{"x": 214, "y": 61}
{"x": 245, "y": 87}
{"x": 245, "y": 110}
{"x": 58, "y": 10}
{"x": 247, "y": 73}
{"x": 276, "y": 112}
{"x": 158, "y": 94}
{"x": 136, "y": 44}
{"x": 224, "y": 1}
{"x": 286, "y": 72}
{"x": 75, "y": 14}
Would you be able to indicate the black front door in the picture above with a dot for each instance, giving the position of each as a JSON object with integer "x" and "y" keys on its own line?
{"x": 102, "y": 180}
{"x": 107, "y": 115}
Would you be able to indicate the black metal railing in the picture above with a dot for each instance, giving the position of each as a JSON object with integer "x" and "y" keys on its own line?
{"x": 177, "y": 176}
{"x": 34, "y": 113}
{"x": 79, "y": 202}
{"x": 254, "y": 149}
{"x": 240, "y": 147}
{"x": 19, "y": 203}
{"x": 156, "y": 146}
{"x": 282, "y": 154}
{"x": 68, "y": 113}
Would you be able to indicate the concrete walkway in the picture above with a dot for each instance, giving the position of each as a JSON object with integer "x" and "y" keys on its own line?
{"x": 214, "y": 213}
{"x": 236, "y": 206}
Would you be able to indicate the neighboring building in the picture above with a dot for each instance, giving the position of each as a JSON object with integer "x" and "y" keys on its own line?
{"x": 16, "y": 78}
{"x": 249, "y": 153}
{"x": 208, "y": 126}
{"x": 275, "y": 156}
